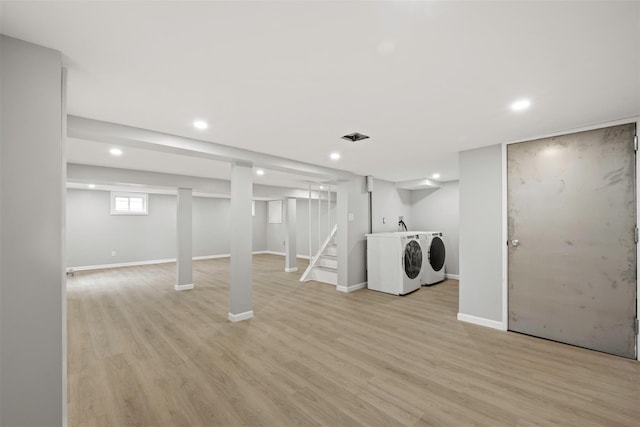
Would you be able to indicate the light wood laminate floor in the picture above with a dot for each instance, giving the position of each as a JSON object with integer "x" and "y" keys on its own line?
{"x": 141, "y": 353}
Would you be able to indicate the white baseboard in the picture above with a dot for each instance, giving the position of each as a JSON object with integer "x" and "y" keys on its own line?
{"x": 291, "y": 270}
{"x": 482, "y": 321}
{"x": 200, "y": 258}
{"x": 240, "y": 316}
{"x": 183, "y": 287}
{"x": 120, "y": 264}
{"x": 154, "y": 261}
{"x": 282, "y": 254}
{"x": 351, "y": 288}
{"x": 452, "y": 276}
{"x": 274, "y": 253}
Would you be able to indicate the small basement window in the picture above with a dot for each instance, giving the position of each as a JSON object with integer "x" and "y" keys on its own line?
{"x": 129, "y": 203}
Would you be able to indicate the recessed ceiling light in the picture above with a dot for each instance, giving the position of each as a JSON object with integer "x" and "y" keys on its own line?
{"x": 115, "y": 152}
{"x": 200, "y": 124}
{"x": 334, "y": 156}
{"x": 322, "y": 187}
{"x": 436, "y": 175}
{"x": 92, "y": 186}
{"x": 259, "y": 172}
{"x": 521, "y": 104}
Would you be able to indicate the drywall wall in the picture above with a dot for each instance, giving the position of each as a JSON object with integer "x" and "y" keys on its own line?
{"x": 260, "y": 226}
{"x": 438, "y": 209}
{"x": 389, "y": 203}
{"x": 276, "y": 233}
{"x": 32, "y": 286}
{"x": 212, "y": 233}
{"x": 211, "y": 225}
{"x": 481, "y": 234}
{"x": 93, "y": 233}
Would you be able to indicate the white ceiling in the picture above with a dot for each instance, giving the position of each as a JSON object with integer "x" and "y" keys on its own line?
{"x": 423, "y": 79}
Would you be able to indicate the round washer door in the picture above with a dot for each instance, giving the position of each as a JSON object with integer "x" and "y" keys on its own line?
{"x": 412, "y": 259}
{"x": 436, "y": 254}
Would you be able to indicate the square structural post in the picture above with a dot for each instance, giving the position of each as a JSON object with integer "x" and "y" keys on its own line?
{"x": 184, "y": 260}
{"x": 33, "y": 353}
{"x": 291, "y": 250}
{"x": 241, "y": 270}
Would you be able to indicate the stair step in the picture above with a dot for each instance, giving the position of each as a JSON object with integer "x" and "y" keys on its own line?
{"x": 331, "y": 250}
{"x": 324, "y": 274}
{"x": 328, "y": 261}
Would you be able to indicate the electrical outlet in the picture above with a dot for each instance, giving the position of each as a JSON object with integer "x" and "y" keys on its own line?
{"x": 113, "y": 253}
{"x": 350, "y": 218}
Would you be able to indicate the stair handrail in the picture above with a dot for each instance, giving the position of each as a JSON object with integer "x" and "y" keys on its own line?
{"x": 314, "y": 260}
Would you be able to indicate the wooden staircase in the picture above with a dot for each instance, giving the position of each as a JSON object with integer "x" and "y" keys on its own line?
{"x": 323, "y": 267}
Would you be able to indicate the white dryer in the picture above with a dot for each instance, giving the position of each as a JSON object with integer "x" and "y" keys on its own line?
{"x": 394, "y": 262}
{"x": 433, "y": 257}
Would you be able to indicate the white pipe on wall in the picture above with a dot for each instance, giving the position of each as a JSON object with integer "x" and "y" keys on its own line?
{"x": 309, "y": 225}
{"x": 319, "y": 222}
{"x": 328, "y": 211}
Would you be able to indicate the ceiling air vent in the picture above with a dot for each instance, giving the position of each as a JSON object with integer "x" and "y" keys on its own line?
{"x": 355, "y": 137}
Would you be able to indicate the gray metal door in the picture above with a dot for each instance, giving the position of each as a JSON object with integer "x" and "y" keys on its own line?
{"x": 572, "y": 253}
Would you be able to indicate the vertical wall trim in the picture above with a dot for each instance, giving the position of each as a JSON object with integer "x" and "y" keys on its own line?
{"x": 63, "y": 252}
{"x": 505, "y": 247}
{"x": 637, "y": 246}
{"x": 309, "y": 223}
{"x": 328, "y": 211}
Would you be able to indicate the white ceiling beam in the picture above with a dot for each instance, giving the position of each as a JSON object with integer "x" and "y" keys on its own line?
{"x": 80, "y": 176}
{"x": 113, "y": 133}
{"x": 418, "y": 184}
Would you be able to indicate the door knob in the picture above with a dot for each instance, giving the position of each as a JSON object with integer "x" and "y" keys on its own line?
{"x": 515, "y": 242}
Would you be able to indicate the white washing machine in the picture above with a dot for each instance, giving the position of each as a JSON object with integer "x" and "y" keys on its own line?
{"x": 394, "y": 262}
{"x": 433, "y": 257}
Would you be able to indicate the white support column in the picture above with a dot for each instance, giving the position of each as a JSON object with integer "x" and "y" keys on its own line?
{"x": 33, "y": 352}
{"x": 240, "y": 284}
{"x": 291, "y": 262}
{"x": 353, "y": 223}
{"x": 184, "y": 263}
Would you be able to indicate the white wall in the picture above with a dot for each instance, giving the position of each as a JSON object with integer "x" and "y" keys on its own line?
{"x": 389, "y": 203}
{"x": 423, "y": 210}
{"x": 276, "y": 233}
{"x": 93, "y": 233}
{"x": 481, "y": 239}
{"x": 211, "y": 219}
{"x": 32, "y": 287}
{"x": 438, "y": 209}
